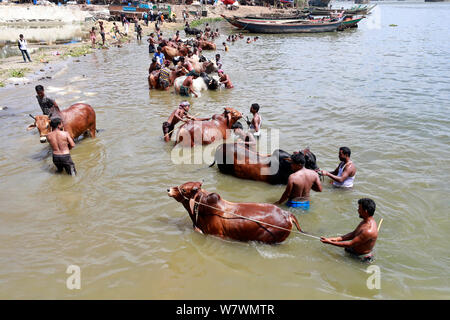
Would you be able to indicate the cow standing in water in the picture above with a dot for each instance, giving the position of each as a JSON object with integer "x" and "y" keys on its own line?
{"x": 77, "y": 120}
{"x": 213, "y": 215}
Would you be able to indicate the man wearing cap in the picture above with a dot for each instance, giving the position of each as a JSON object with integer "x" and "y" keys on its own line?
{"x": 225, "y": 79}
{"x": 180, "y": 114}
{"x": 164, "y": 76}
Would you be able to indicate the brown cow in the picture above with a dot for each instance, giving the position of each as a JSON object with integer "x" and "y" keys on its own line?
{"x": 239, "y": 161}
{"x": 207, "y": 45}
{"x": 211, "y": 214}
{"x": 171, "y": 52}
{"x": 208, "y": 131}
{"x": 77, "y": 119}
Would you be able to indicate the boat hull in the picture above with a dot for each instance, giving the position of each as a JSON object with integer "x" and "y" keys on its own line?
{"x": 290, "y": 27}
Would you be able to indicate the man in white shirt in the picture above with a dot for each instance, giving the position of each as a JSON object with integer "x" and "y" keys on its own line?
{"x": 22, "y": 43}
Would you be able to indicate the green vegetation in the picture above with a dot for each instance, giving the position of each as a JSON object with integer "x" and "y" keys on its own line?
{"x": 393, "y": 25}
{"x": 198, "y": 22}
{"x": 1, "y": 84}
{"x": 18, "y": 73}
{"x": 78, "y": 51}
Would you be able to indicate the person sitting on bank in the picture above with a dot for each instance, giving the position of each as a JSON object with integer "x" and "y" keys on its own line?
{"x": 361, "y": 241}
{"x": 344, "y": 175}
{"x": 300, "y": 184}
{"x": 61, "y": 142}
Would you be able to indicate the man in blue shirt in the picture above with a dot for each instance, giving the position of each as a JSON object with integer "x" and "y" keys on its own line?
{"x": 159, "y": 56}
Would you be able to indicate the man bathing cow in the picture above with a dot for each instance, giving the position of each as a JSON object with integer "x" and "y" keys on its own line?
{"x": 300, "y": 184}
{"x": 61, "y": 142}
{"x": 61, "y": 127}
{"x": 180, "y": 114}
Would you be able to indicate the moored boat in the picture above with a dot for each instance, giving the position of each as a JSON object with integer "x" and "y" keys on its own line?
{"x": 297, "y": 26}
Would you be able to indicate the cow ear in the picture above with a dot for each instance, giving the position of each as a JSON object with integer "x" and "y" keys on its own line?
{"x": 31, "y": 126}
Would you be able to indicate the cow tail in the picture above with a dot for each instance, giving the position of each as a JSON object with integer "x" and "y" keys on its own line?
{"x": 212, "y": 164}
{"x": 295, "y": 222}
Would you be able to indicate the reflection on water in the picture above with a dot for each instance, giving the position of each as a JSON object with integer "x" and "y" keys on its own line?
{"x": 382, "y": 92}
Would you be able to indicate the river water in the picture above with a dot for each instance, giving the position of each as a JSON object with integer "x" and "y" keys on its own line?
{"x": 381, "y": 90}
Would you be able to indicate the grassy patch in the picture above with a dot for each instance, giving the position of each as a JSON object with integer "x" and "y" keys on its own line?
{"x": 78, "y": 51}
{"x": 2, "y": 84}
{"x": 18, "y": 73}
{"x": 199, "y": 22}
{"x": 393, "y": 25}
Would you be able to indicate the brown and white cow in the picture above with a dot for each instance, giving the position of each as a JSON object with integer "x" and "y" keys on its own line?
{"x": 77, "y": 119}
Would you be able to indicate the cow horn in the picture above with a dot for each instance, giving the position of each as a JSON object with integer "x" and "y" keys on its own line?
{"x": 32, "y": 116}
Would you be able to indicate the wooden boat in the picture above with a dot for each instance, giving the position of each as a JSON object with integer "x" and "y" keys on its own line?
{"x": 350, "y": 22}
{"x": 298, "y": 26}
{"x": 356, "y": 10}
{"x": 233, "y": 21}
{"x": 318, "y": 3}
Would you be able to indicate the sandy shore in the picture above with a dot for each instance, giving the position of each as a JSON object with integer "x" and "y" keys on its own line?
{"x": 13, "y": 71}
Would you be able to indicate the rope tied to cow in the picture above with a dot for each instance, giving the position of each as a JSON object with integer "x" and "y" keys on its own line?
{"x": 246, "y": 218}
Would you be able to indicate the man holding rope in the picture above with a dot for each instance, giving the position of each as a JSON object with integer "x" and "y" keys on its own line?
{"x": 360, "y": 242}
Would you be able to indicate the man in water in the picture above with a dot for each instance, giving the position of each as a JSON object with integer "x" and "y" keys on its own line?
{"x": 151, "y": 43}
{"x": 244, "y": 137}
{"x": 361, "y": 241}
{"x": 61, "y": 143}
{"x": 256, "y": 122}
{"x": 225, "y": 79}
{"x": 48, "y": 106}
{"x": 187, "y": 86}
{"x": 344, "y": 174}
{"x": 180, "y": 114}
{"x": 138, "y": 31}
{"x": 300, "y": 184}
{"x": 159, "y": 56}
{"x": 164, "y": 76}
{"x": 218, "y": 61}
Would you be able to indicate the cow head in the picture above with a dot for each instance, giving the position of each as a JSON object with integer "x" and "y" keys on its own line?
{"x": 42, "y": 123}
{"x": 232, "y": 115}
{"x": 185, "y": 191}
{"x": 210, "y": 82}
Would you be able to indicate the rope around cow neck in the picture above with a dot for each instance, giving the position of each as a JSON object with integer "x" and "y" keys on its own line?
{"x": 247, "y": 218}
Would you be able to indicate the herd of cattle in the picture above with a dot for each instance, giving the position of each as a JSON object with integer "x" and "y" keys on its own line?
{"x": 209, "y": 213}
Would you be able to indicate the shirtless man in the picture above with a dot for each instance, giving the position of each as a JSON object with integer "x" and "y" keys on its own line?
{"x": 61, "y": 143}
{"x": 255, "y": 124}
{"x": 225, "y": 79}
{"x": 360, "y": 242}
{"x": 154, "y": 65}
{"x": 186, "y": 66}
{"x": 187, "y": 86}
{"x": 299, "y": 184}
{"x": 180, "y": 114}
{"x": 344, "y": 175}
